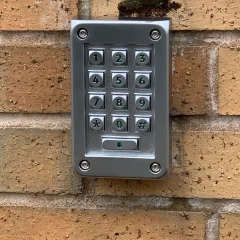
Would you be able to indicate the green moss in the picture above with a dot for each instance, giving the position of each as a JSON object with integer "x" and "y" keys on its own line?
{"x": 146, "y": 7}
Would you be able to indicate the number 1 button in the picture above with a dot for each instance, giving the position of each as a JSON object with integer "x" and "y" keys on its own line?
{"x": 142, "y": 58}
{"x": 119, "y": 57}
{"x": 96, "y": 57}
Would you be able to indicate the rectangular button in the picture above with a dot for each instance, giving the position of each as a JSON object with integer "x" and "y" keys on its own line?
{"x": 119, "y": 144}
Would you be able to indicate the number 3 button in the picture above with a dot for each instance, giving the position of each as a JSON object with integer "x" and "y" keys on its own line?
{"x": 142, "y": 58}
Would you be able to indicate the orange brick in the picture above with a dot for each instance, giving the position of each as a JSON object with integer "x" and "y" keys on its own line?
{"x": 210, "y": 169}
{"x": 34, "y": 79}
{"x": 37, "y": 15}
{"x": 37, "y": 160}
{"x": 229, "y": 226}
{"x": 190, "y": 82}
{"x": 193, "y": 15}
{"x": 229, "y": 81}
{"x": 26, "y": 223}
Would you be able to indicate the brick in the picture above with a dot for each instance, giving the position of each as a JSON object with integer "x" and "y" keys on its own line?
{"x": 39, "y": 223}
{"x": 229, "y": 228}
{"x": 229, "y": 84}
{"x": 193, "y": 15}
{"x": 190, "y": 82}
{"x": 209, "y": 169}
{"x": 36, "y": 161}
{"x": 35, "y": 79}
{"x": 43, "y": 15}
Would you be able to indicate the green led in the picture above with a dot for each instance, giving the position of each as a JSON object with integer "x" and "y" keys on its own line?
{"x": 119, "y": 144}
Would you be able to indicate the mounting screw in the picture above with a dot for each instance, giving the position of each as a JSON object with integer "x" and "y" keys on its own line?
{"x": 84, "y": 165}
{"x": 155, "y": 168}
{"x": 82, "y": 33}
{"x": 155, "y": 35}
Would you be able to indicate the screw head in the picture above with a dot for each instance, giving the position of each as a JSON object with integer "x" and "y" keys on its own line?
{"x": 82, "y": 33}
{"x": 155, "y": 35}
{"x": 155, "y": 168}
{"x": 84, "y": 165}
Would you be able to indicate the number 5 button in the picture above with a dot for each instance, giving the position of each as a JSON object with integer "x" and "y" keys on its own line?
{"x": 142, "y": 58}
{"x": 96, "y": 101}
{"x": 119, "y": 80}
{"x": 143, "y": 102}
{"x": 142, "y": 80}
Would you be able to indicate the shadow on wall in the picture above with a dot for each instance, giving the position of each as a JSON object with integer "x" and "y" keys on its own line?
{"x": 146, "y": 8}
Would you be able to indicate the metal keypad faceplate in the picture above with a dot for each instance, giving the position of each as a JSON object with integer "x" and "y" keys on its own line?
{"x": 121, "y": 98}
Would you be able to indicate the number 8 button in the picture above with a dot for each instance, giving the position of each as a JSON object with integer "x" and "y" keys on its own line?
{"x": 119, "y": 102}
{"x": 142, "y": 80}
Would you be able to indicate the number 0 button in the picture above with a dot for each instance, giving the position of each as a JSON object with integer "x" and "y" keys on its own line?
{"x": 96, "y": 101}
{"x": 142, "y": 80}
{"x": 119, "y": 57}
{"x": 96, "y": 57}
{"x": 120, "y": 124}
{"x": 119, "y": 80}
{"x": 96, "y": 79}
{"x": 142, "y": 58}
{"x": 119, "y": 102}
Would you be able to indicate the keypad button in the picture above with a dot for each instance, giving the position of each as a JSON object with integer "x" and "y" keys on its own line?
{"x": 97, "y": 123}
{"x": 119, "y": 80}
{"x": 143, "y": 102}
{"x": 119, "y": 124}
{"x": 96, "y": 57}
{"x": 96, "y": 101}
{"x": 142, "y": 58}
{"x": 119, "y": 57}
{"x": 142, "y": 124}
{"x": 96, "y": 79}
{"x": 119, "y": 102}
{"x": 142, "y": 80}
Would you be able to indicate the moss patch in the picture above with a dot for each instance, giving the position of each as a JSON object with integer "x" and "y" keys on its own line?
{"x": 146, "y": 8}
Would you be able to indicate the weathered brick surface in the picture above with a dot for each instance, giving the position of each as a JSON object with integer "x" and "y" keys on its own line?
{"x": 229, "y": 226}
{"x": 193, "y": 15}
{"x": 36, "y": 160}
{"x": 210, "y": 169}
{"x": 37, "y": 15}
{"x": 34, "y": 79}
{"x": 27, "y": 223}
{"x": 229, "y": 81}
{"x": 190, "y": 81}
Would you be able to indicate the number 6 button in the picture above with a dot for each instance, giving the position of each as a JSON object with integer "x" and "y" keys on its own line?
{"x": 142, "y": 80}
{"x": 142, "y": 58}
{"x": 96, "y": 101}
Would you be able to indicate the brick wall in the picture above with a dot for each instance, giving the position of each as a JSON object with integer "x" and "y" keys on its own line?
{"x": 40, "y": 195}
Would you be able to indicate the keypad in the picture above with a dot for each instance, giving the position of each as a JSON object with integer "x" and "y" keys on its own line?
{"x": 120, "y": 83}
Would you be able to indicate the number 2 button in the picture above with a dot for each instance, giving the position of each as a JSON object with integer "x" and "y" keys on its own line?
{"x": 119, "y": 57}
{"x": 142, "y": 58}
{"x": 96, "y": 101}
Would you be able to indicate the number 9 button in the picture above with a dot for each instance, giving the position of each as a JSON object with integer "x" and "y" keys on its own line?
{"x": 142, "y": 80}
{"x": 143, "y": 102}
